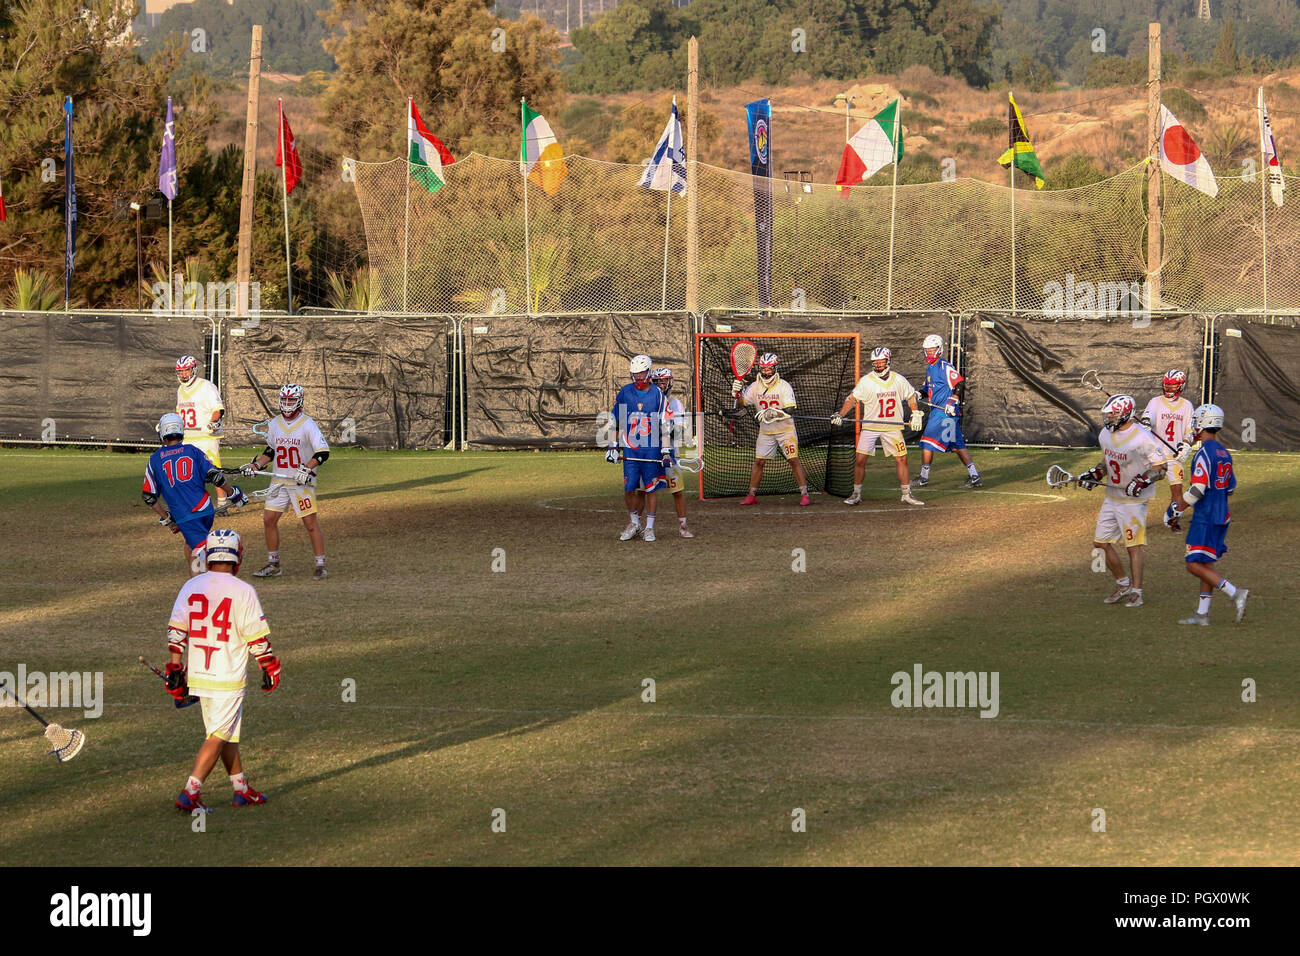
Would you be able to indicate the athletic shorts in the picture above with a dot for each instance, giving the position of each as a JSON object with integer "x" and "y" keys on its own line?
{"x": 1175, "y": 473}
{"x": 1206, "y": 542}
{"x": 942, "y": 432}
{"x": 781, "y": 445}
{"x": 673, "y": 480}
{"x": 223, "y": 716}
{"x": 1122, "y": 522}
{"x": 210, "y": 445}
{"x": 195, "y": 529}
{"x": 300, "y": 498}
{"x": 642, "y": 475}
{"x": 891, "y": 443}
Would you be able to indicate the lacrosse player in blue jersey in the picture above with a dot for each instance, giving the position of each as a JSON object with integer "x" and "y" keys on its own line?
{"x": 644, "y": 438}
{"x": 944, "y": 390}
{"x": 178, "y": 474}
{"x": 1211, "y": 483}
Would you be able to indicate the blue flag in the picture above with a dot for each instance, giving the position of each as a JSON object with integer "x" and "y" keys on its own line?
{"x": 70, "y": 205}
{"x": 760, "y": 164}
{"x": 167, "y": 166}
{"x": 666, "y": 169}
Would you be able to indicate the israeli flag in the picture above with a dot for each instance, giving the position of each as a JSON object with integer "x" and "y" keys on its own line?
{"x": 666, "y": 169}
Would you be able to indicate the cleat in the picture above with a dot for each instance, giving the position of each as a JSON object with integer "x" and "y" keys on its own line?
{"x": 649, "y": 535}
{"x": 907, "y": 499}
{"x": 853, "y": 499}
{"x": 975, "y": 481}
{"x": 272, "y": 570}
{"x": 922, "y": 481}
{"x": 1134, "y": 599}
{"x": 749, "y": 500}
{"x": 1240, "y": 602}
{"x": 190, "y": 802}
{"x": 1200, "y": 620}
{"x": 320, "y": 574}
{"x": 1119, "y": 592}
{"x": 805, "y": 501}
{"x": 685, "y": 533}
{"x": 247, "y": 798}
{"x": 633, "y": 530}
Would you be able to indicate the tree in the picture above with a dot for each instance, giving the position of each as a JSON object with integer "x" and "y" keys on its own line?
{"x": 1225, "y": 54}
{"x": 466, "y": 69}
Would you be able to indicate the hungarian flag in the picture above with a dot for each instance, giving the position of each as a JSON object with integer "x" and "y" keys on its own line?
{"x": 1019, "y": 150}
{"x": 540, "y": 156}
{"x": 1268, "y": 147}
{"x": 872, "y": 148}
{"x": 425, "y": 151}
{"x": 1181, "y": 158}
{"x": 286, "y": 153}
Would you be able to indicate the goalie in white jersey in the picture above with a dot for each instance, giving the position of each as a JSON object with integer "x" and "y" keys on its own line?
{"x": 1132, "y": 459}
{"x": 199, "y": 405}
{"x": 882, "y": 393}
{"x": 295, "y": 448}
{"x": 1169, "y": 416}
{"x": 770, "y": 395}
{"x": 216, "y": 625}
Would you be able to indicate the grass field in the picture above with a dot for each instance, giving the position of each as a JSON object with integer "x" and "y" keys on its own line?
{"x": 522, "y": 690}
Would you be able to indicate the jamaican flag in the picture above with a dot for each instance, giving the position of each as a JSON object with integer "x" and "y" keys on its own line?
{"x": 1020, "y": 151}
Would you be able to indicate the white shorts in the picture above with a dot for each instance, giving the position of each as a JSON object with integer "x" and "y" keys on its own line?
{"x": 1175, "y": 473}
{"x": 891, "y": 443}
{"x": 223, "y": 716}
{"x": 781, "y": 445}
{"x": 210, "y": 445}
{"x": 300, "y": 498}
{"x": 1122, "y": 522}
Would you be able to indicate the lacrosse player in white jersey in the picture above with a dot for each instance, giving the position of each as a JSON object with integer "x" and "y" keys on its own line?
{"x": 199, "y": 405}
{"x": 216, "y": 625}
{"x": 770, "y": 395}
{"x": 1132, "y": 460}
{"x": 676, "y": 415}
{"x": 882, "y": 393}
{"x": 296, "y": 446}
{"x": 1169, "y": 416}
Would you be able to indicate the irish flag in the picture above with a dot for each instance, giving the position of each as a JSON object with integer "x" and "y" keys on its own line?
{"x": 872, "y": 148}
{"x": 540, "y": 156}
{"x": 425, "y": 151}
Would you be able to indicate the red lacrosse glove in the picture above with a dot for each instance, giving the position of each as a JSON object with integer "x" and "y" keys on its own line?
{"x": 270, "y": 665}
{"x": 174, "y": 681}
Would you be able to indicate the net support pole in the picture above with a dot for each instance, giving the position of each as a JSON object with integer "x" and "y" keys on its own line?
{"x": 668, "y": 213}
{"x": 528, "y": 254}
{"x": 893, "y": 202}
{"x": 1155, "y": 253}
{"x": 244, "y": 264}
{"x": 406, "y": 228}
{"x": 692, "y": 179}
{"x": 1013, "y": 232}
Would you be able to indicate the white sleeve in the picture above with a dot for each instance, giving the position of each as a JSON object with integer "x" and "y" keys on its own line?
{"x": 750, "y": 392}
{"x": 862, "y": 391}
{"x": 318, "y": 442}
{"x": 905, "y": 389}
{"x": 787, "y": 397}
{"x": 214, "y": 399}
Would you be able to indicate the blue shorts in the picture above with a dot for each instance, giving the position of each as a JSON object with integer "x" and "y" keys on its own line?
{"x": 196, "y": 529}
{"x": 942, "y": 432}
{"x": 1206, "y": 542}
{"x": 649, "y": 475}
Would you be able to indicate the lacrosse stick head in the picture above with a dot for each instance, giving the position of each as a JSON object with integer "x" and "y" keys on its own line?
{"x": 693, "y": 465}
{"x": 1058, "y": 477}
{"x": 743, "y": 356}
{"x": 65, "y": 744}
{"x": 1092, "y": 379}
{"x": 260, "y": 428}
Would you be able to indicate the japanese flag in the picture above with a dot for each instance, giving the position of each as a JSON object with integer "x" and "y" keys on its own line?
{"x": 1181, "y": 158}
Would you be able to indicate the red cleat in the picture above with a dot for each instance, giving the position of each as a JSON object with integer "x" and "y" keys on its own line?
{"x": 248, "y": 798}
{"x": 749, "y": 500}
{"x": 189, "y": 802}
{"x": 805, "y": 501}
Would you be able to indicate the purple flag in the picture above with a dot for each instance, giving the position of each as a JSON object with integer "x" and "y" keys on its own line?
{"x": 167, "y": 167}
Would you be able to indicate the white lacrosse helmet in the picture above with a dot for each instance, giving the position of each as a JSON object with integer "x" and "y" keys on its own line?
{"x": 663, "y": 377}
{"x": 639, "y": 368}
{"x": 171, "y": 425}
{"x": 290, "y": 400}
{"x": 224, "y": 545}
{"x": 881, "y": 354}
{"x": 1117, "y": 410}
{"x": 1175, "y": 381}
{"x": 186, "y": 367}
{"x": 933, "y": 347}
{"x": 1207, "y": 417}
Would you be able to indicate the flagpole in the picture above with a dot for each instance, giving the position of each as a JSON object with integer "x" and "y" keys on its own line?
{"x": 406, "y": 240}
{"x": 893, "y": 205}
{"x": 1263, "y": 200}
{"x": 171, "y": 269}
{"x": 663, "y": 303}
{"x": 528, "y": 265}
{"x": 1013, "y": 230}
{"x": 284, "y": 193}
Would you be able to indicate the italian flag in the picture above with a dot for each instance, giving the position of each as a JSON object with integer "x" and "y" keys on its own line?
{"x": 425, "y": 151}
{"x": 872, "y": 148}
{"x": 540, "y": 156}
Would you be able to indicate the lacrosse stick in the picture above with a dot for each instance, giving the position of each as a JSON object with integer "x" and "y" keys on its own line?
{"x": 743, "y": 356}
{"x": 260, "y": 429}
{"x": 693, "y": 465}
{"x": 1058, "y": 477}
{"x": 1093, "y": 381}
{"x": 187, "y": 702}
{"x": 66, "y": 743}
{"x": 256, "y": 474}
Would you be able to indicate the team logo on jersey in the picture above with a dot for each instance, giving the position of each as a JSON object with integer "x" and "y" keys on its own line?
{"x": 760, "y": 140}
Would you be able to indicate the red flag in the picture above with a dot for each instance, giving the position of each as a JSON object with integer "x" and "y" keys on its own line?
{"x": 293, "y": 166}
{"x": 2, "y": 203}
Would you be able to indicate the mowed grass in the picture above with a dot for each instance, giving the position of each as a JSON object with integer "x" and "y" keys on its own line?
{"x": 522, "y": 690}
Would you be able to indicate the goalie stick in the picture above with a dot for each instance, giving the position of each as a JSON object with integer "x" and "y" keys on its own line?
{"x": 743, "y": 356}
{"x": 190, "y": 699}
{"x": 66, "y": 743}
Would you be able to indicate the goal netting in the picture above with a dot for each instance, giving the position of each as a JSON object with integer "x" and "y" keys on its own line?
{"x": 822, "y": 368}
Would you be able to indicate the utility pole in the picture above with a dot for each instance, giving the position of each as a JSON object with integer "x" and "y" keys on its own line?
{"x": 244, "y": 263}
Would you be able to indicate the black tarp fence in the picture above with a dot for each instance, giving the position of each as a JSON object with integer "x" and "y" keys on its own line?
{"x": 1257, "y": 382}
{"x": 541, "y": 381}
{"x": 91, "y": 377}
{"x": 1024, "y": 372}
